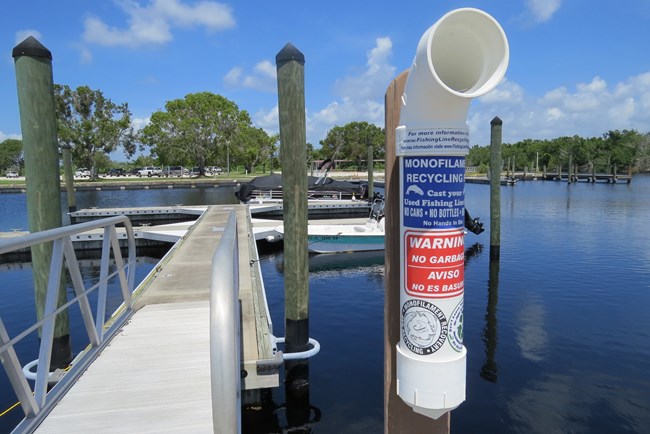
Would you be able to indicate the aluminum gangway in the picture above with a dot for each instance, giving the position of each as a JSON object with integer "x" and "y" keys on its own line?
{"x": 171, "y": 358}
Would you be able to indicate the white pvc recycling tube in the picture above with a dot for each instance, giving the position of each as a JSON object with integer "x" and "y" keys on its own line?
{"x": 462, "y": 56}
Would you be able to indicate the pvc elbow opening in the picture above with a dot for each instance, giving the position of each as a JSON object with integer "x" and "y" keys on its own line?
{"x": 467, "y": 50}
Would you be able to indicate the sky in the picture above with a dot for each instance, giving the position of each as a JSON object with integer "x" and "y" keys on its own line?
{"x": 577, "y": 67}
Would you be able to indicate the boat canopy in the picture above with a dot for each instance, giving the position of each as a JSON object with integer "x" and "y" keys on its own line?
{"x": 320, "y": 186}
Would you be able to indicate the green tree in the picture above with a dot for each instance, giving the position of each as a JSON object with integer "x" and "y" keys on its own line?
{"x": 92, "y": 125}
{"x": 253, "y": 146}
{"x": 351, "y": 141}
{"x": 642, "y": 161}
{"x": 195, "y": 129}
{"x": 621, "y": 146}
{"x": 11, "y": 154}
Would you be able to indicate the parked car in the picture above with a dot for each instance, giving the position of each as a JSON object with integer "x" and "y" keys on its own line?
{"x": 177, "y": 171}
{"x": 82, "y": 172}
{"x": 134, "y": 171}
{"x": 150, "y": 171}
{"x": 116, "y": 172}
{"x": 213, "y": 170}
{"x": 12, "y": 174}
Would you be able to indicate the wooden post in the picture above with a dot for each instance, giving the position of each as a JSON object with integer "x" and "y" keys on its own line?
{"x": 570, "y": 175}
{"x": 69, "y": 178}
{"x": 398, "y": 416}
{"x": 293, "y": 154}
{"x": 495, "y": 187}
{"x": 33, "y": 64}
{"x": 593, "y": 172}
{"x": 370, "y": 172}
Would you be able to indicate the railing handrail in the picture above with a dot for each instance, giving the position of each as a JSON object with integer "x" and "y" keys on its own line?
{"x": 37, "y": 405}
{"x": 225, "y": 339}
{"x": 18, "y": 242}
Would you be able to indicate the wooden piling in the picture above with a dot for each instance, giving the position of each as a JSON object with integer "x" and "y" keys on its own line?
{"x": 35, "y": 86}
{"x": 69, "y": 178}
{"x": 370, "y": 172}
{"x": 398, "y": 416}
{"x": 495, "y": 187}
{"x": 293, "y": 154}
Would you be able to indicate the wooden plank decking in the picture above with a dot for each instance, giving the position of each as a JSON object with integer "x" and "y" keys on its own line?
{"x": 155, "y": 375}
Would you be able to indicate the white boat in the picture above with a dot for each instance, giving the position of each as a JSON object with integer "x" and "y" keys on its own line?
{"x": 341, "y": 238}
{"x": 344, "y": 237}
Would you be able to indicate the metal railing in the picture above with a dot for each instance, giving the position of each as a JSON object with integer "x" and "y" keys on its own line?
{"x": 225, "y": 334}
{"x": 311, "y": 194}
{"x": 35, "y": 406}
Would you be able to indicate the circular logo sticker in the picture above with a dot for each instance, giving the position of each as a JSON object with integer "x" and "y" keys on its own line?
{"x": 424, "y": 326}
{"x": 456, "y": 328}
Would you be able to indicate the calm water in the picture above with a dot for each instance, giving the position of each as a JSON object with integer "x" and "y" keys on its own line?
{"x": 558, "y": 336}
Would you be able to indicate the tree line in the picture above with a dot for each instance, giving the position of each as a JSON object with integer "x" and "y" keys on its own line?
{"x": 205, "y": 129}
{"x": 625, "y": 149}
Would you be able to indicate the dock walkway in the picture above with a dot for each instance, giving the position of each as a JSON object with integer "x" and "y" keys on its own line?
{"x": 155, "y": 375}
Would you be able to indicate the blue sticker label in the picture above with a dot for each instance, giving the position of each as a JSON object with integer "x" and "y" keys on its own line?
{"x": 433, "y": 195}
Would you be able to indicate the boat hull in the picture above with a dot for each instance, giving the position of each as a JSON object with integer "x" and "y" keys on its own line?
{"x": 340, "y": 243}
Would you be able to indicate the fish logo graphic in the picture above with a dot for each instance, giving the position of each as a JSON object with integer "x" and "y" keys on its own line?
{"x": 414, "y": 189}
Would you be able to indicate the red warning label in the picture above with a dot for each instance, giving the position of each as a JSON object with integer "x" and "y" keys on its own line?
{"x": 434, "y": 263}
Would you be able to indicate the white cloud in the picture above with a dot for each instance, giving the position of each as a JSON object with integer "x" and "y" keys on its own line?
{"x": 263, "y": 77}
{"x": 542, "y": 10}
{"x": 21, "y": 35}
{"x": 152, "y": 24}
{"x": 268, "y": 120}
{"x": 140, "y": 123}
{"x": 4, "y": 136}
{"x": 589, "y": 110}
{"x": 374, "y": 79}
{"x": 86, "y": 55}
{"x": 360, "y": 96}
{"x": 505, "y": 91}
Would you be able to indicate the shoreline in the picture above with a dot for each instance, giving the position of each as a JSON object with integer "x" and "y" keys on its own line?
{"x": 132, "y": 184}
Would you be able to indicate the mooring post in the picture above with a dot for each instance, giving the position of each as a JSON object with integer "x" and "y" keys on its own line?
{"x": 371, "y": 187}
{"x": 33, "y": 64}
{"x": 398, "y": 416}
{"x": 69, "y": 177}
{"x": 290, "y": 63}
{"x": 495, "y": 187}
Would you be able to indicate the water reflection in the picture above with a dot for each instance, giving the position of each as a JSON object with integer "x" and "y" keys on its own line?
{"x": 530, "y": 332}
{"x": 489, "y": 370}
{"x": 266, "y": 416}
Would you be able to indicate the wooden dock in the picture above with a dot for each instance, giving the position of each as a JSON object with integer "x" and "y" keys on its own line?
{"x": 154, "y": 376}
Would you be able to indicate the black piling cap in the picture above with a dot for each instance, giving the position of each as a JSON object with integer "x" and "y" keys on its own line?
{"x": 32, "y": 48}
{"x": 496, "y": 121}
{"x": 289, "y": 53}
